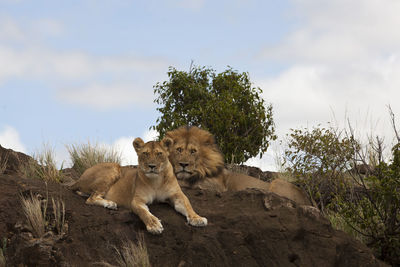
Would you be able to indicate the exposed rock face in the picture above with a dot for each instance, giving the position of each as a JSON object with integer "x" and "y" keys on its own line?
{"x": 247, "y": 228}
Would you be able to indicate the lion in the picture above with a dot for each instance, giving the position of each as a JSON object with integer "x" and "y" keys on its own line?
{"x": 198, "y": 163}
{"x": 110, "y": 185}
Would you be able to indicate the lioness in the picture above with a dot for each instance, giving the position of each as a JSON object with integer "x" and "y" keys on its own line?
{"x": 109, "y": 185}
{"x": 198, "y": 163}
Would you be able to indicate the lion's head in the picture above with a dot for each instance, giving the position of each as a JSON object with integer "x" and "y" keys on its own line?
{"x": 152, "y": 156}
{"x": 194, "y": 154}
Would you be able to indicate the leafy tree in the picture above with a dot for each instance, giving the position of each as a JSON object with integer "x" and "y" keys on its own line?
{"x": 225, "y": 104}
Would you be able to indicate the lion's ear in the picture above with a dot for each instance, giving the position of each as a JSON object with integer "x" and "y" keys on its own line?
{"x": 210, "y": 140}
{"x": 138, "y": 144}
{"x": 167, "y": 143}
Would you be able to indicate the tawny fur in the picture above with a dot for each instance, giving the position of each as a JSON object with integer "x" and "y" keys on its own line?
{"x": 198, "y": 163}
{"x": 110, "y": 185}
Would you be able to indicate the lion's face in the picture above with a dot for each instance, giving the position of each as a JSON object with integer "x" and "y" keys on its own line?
{"x": 184, "y": 158}
{"x": 152, "y": 156}
{"x": 194, "y": 154}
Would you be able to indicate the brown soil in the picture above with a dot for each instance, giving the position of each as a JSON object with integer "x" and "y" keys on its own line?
{"x": 248, "y": 228}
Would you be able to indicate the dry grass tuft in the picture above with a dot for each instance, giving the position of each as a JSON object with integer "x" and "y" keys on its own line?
{"x": 3, "y": 162}
{"x": 2, "y": 259}
{"x": 39, "y": 221}
{"x": 35, "y": 214}
{"x": 43, "y": 166}
{"x": 133, "y": 255}
{"x": 2, "y": 252}
{"x": 87, "y": 155}
{"x": 59, "y": 215}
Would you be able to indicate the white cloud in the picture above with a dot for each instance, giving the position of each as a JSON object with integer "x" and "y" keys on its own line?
{"x": 343, "y": 60}
{"x": 48, "y": 27}
{"x": 128, "y": 154}
{"x": 100, "y": 82}
{"x": 10, "y": 31}
{"x": 150, "y": 135}
{"x": 124, "y": 145}
{"x": 339, "y": 31}
{"x": 9, "y": 138}
{"x": 266, "y": 163}
{"x": 110, "y": 96}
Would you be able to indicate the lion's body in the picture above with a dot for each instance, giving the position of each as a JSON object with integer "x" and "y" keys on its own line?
{"x": 111, "y": 185}
{"x": 198, "y": 163}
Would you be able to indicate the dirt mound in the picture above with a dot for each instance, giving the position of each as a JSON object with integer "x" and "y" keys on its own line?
{"x": 12, "y": 161}
{"x": 248, "y": 228}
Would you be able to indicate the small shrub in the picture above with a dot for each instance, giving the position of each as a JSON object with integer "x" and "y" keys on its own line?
{"x": 318, "y": 158}
{"x": 43, "y": 166}
{"x": 35, "y": 214}
{"x": 133, "y": 255}
{"x": 375, "y": 213}
{"x": 87, "y": 155}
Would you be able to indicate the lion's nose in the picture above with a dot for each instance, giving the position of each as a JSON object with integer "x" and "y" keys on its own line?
{"x": 152, "y": 166}
{"x": 184, "y": 164}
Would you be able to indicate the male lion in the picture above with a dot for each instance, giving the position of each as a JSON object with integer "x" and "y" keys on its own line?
{"x": 109, "y": 185}
{"x": 198, "y": 163}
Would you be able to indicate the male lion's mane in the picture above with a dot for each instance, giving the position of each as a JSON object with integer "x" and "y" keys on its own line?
{"x": 210, "y": 162}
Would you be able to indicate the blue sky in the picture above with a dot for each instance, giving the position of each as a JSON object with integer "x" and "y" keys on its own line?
{"x": 73, "y": 71}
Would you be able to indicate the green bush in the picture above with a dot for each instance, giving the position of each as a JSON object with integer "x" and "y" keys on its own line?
{"x": 225, "y": 104}
{"x": 375, "y": 211}
{"x": 318, "y": 158}
{"x": 366, "y": 205}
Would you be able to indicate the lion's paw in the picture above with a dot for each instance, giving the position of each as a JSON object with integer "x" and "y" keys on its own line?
{"x": 155, "y": 226}
{"x": 110, "y": 205}
{"x": 198, "y": 221}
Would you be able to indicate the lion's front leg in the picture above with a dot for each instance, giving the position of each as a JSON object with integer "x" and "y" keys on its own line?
{"x": 153, "y": 224}
{"x": 98, "y": 199}
{"x": 182, "y": 205}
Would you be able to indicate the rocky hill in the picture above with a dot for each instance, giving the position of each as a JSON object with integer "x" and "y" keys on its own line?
{"x": 248, "y": 228}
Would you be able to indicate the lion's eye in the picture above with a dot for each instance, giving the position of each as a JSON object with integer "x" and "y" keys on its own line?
{"x": 159, "y": 154}
{"x": 179, "y": 149}
{"x": 192, "y": 151}
{"x": 146, "y": 154}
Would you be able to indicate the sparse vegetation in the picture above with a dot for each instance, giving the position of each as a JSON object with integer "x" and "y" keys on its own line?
{"x": 38, "y": 220}
{"x": 318, "y": 159}
{"x": 35, "y": 212}
{"x": 59, "y": 215}
{"x": 363, "y": 203}
{"x": 3, "y": 162}
{"x": 374, "y": 212}
{"x": 43, "y": 166}
{"x": 130, "y": 254}
{"x": 133, "y": 255}
{"x": 2, "y": 253}
{"x": 87, "y": 155}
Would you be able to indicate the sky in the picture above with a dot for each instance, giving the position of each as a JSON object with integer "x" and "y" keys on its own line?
{"x": 79, "y": 71}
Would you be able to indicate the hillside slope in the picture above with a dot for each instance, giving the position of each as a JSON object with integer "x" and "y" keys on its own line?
{"x": 248, "y": 228}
